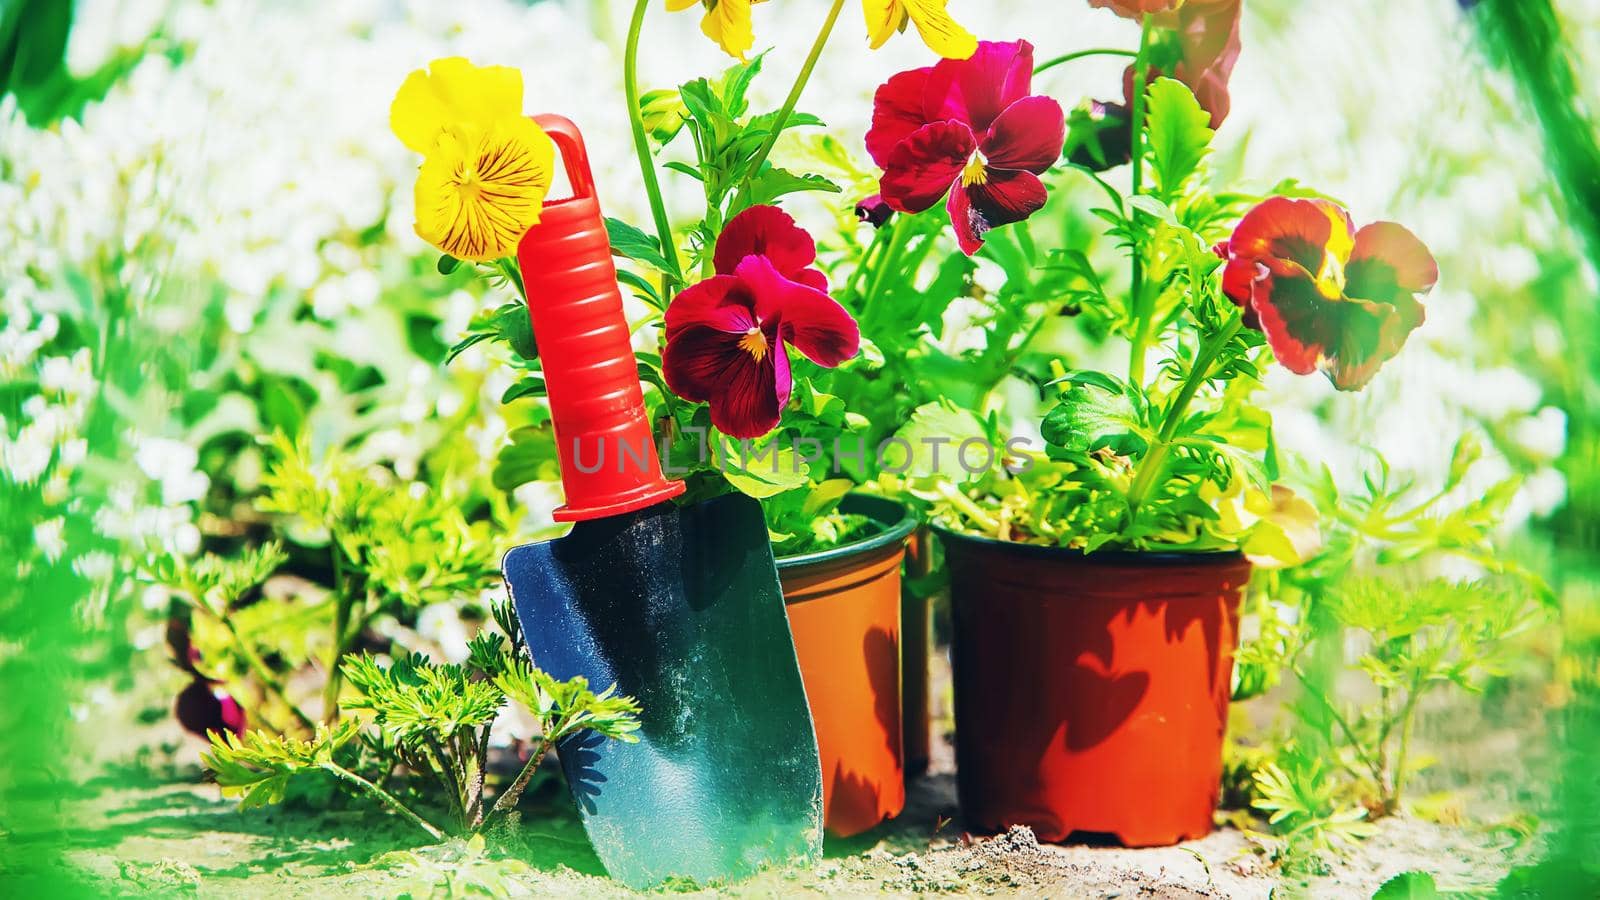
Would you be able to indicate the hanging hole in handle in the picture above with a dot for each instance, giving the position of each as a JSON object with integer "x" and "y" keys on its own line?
{"x": 574, "y": 158}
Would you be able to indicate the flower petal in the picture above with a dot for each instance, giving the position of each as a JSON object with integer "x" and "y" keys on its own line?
{"x": 874, "y": 211}
{"x": 1009, "y": 195}
{"x": 728, "y": 23}
{"x": 1388, "y": 263}
{"x": 812, "y": 321}
{"x": 747, "y": 404}
{"x": 1304, "y": 231}
{"x": 1028, "y": 135}
{"x": 1347, "y": 339}
{"x": 721, "y": 302}
{"x": 922, "y": 167}
{"x": 1208, "y": 36}
{"x": 452, "y": 91}
{"x": 942, "y": 34}
{"x": 765, "y": 231}
{"x": 697, "y": 361}
{"x": 896, "y": 113}
{"x": 1133, "y": 9}
{"x": 479, "y": 189}
{"x": 977, "y": 90}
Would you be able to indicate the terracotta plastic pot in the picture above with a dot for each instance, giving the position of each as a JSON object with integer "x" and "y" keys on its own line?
{"x": 1091, "y": 691}
{"x": 916, "y": 642}
{"x": 844, "y": 611}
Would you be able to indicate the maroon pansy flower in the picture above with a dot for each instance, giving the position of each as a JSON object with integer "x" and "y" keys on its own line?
{"x": 202, "y": 709}
{"x": 874, "y": 211}
{"x": 967, "y": 128}
{"x": 726, "y": 336}
{"x": 1327, "y": 296}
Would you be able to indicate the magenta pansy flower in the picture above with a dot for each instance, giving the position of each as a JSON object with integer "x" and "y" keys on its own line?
{"x": 726, "y": 336}
{"x": 967, "y": 128}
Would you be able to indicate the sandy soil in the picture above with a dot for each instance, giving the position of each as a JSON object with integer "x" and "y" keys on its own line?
{"x": 157, "y": 831}
{"x": 145, "y": 824}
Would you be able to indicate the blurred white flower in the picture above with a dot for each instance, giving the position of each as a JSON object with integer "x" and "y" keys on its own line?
{"x": 172, "y": 464}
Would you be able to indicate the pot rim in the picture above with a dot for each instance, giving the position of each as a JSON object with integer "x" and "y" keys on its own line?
{"x": 877, "y": 508}
{"x": 1098, "y": 557}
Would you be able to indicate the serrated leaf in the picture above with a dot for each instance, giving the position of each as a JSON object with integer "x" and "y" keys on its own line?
{"x": 628, "y": 241}
{"x": 774, "y": 182}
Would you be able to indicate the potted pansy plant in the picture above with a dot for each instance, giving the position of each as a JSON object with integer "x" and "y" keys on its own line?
{"x": 750, "y": 336}
{"x": 1096, "y": 579}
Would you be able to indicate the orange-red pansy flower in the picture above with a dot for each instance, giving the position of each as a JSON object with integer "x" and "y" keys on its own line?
{"x": 1327, "y": 296}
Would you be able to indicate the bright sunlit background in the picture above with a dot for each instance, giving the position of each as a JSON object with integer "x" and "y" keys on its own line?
{"x": 212, "y": 190}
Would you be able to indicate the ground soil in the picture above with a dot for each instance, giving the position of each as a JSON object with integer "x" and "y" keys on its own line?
{"x": 146, "y": 823}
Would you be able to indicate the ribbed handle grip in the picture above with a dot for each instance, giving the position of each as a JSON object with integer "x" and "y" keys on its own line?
{"x": 608, "y": 460}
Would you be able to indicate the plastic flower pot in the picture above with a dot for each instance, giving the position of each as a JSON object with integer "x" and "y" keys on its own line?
{"x": 916, "y": 642}
{"x": 844, "y": 611}
{"x": 1091, "y": 691}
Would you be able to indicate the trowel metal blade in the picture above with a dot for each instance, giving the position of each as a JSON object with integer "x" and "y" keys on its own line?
{"x": 681, "y": 608}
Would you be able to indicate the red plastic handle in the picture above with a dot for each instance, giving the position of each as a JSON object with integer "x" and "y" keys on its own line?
{"x": 608, "y": 459}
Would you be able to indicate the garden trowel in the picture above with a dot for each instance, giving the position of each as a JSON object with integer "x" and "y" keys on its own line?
{"x": 678, "y": 606}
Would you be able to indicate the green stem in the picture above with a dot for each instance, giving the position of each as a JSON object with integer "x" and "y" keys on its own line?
{"x": 341, "y": 623}
{"x": 384, "y": 796}
{"x": 900, "y": 235}
{"x": 1344, "y": 725}
{"x": 794, "y": 97}
{"x": 1141, "y": 325}
{"x": 1049, "y": 64}
{"x": 1407, "y": 718}
{"x": 1155, "y": 461}
{"x": 966, "y": 507}
{"x": 507, "y": 800}
{"x": 268, "y": 679}
{"x": 641, "y": 146}
{"x": 865, "y": 263}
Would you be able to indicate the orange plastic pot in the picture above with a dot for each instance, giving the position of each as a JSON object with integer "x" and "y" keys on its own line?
{"x": 844, "y": 612}
{"x": 1091, "y": 691}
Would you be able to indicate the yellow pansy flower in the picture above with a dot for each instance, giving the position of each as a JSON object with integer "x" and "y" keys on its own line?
{"x": 486, "y": 167}
{"x": 942, "y": 34}
{"x": 726, "y": 21}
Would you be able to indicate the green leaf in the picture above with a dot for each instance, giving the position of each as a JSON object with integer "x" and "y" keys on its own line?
{"x": 530, "y": 386}
{"x": 1408, "y": 886}
{"x": 257, "y": 767}
{"x": 642, "y": 288}
{"x": 1153, "y": 207}
{"x": 774, "y": 182}
{"x": 929, "y": 444}
{"x": 508, "y": 323}
{"x": 447, "y": 264}
{"x": 628, "y": 241}
{"x": 531, "y": 456}
{"x": 762, "y": 468}
{"x": 1179, "y": 134}
{"x": 1088, "y": 419}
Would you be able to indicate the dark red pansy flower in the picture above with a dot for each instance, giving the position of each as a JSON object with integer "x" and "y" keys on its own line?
{"x": 874, "y": 211}
{"x": 1327, "y": 296}
{"x": 967, "y": 128}
{"x": 725, "y": 336}
{"x": 201, "y": 709}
